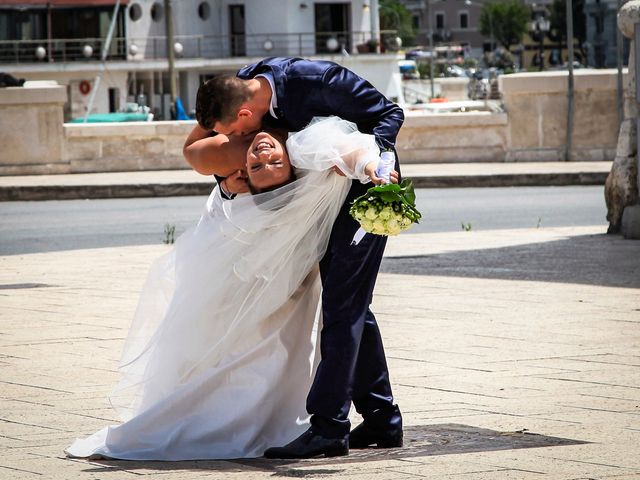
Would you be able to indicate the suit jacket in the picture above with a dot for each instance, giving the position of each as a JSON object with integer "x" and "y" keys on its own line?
{"x": 307, "y": 89}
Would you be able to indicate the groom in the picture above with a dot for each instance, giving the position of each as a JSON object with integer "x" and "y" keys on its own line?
{"x": 289, "y": 92}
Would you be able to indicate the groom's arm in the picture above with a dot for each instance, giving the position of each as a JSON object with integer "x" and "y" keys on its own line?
{"x": 215, "y": 154}
{"x": 353, "y": 98}
{"x": 218, "y": 155}
{"x": 202, "y": 150}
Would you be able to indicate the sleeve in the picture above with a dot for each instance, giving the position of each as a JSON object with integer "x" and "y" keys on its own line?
{"x": 329, "y": 142}
{"x": 353, "y": 98}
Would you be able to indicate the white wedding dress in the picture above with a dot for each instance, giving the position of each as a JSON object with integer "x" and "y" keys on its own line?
{"x": 221, "y": 353}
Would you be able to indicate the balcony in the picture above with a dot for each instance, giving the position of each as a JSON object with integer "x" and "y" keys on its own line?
{"x": 195, "y": 46}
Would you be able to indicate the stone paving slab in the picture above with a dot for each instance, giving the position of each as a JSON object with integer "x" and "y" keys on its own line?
{"x": 516, "y": 332}
{"x": 188, "y": 182}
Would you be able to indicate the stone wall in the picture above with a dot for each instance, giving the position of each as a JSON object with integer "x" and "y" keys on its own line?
{"x": 537, "y": 107}
{"x": 35, "y": 140}
{"x": 31, "y": 132}
{"x": 131, "y": 146}
{"x": 453, "y": 137}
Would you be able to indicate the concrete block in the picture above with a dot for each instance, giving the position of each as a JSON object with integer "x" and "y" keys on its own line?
{"x": 82, "y": 148}
{"x": 525, "y": 120}
{"x": 179, "y": 128}
{"x": 30, "y": 134}
{"x": 631, "y": 222}
{"x": 535, "y": 155}
{"x": 595, "y": 118}
{"x": 123, "y": 129}
{"x": 33, "y": 96}
{"x": 552, "y": 120}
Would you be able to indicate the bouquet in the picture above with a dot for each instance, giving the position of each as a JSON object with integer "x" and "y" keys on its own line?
{"x": 386, "y": 209}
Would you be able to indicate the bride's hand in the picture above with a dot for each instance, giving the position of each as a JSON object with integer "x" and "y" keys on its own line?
{"x": 370, "y": 171}
{"x": 236, "y": 182}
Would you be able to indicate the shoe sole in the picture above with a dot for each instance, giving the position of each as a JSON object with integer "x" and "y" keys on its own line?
{"x": 381, "y": 444}
{"x": 327, "y": 454}
{"x": 337, "y": 453}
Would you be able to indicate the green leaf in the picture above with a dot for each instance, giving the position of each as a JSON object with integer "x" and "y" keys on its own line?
{"x": 391, "y": 197}
{"x": 409, "y": 192}
{"x": 388, "y": 187}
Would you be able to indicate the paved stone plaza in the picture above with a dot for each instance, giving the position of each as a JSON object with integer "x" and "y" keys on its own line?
{"x": 514, "y": 354}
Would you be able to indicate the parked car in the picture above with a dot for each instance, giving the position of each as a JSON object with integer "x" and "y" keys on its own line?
{"x": 418, "y": 53}
{"x": 408, "y": 69}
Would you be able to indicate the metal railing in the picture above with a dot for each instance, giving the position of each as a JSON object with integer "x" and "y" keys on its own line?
{"x": 196, "y": 46}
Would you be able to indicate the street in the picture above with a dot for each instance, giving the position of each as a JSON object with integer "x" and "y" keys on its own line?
{"x": 30, "y": 227}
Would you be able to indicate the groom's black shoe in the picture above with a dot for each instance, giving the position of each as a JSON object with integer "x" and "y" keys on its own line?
{"x": 382, "y": 428}
{"x": 310, "y": 444}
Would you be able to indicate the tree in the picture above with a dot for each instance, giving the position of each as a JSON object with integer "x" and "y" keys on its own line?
{"x": 558, "y": 19}
{"x": 507, "y": 21}
{"x": 395, "y": 16}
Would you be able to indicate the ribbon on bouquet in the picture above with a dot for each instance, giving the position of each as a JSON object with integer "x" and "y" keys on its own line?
{"x": 385, "y": 167}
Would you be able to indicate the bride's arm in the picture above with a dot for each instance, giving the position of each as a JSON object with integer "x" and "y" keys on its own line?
{"x": 333, "y": 142}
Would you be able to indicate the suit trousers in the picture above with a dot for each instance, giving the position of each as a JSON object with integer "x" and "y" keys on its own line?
{"x": 353, "y": 366}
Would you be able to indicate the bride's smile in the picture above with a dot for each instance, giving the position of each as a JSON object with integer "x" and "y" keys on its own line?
{"x": 268, "y": 165}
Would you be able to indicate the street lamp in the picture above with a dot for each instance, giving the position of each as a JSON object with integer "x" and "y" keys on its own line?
{"x": 540, "y": 26}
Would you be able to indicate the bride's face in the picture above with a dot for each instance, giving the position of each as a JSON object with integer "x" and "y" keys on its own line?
{"x": 268, "y": 165}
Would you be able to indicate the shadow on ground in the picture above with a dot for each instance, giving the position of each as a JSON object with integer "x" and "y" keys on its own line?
{"x": 604, "y": 260}
{"x": 420, "y": 441}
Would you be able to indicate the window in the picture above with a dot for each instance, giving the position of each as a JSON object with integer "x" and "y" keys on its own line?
{"x": 135, "y": 12}
{"x": 204, "y": 10}
{"x": 332, "y": 26}
{"x": 415, "y": 22}
{"x": 464, "y": 20}
{"x": 157, "y": 12}
{"x": 439, "y": 20}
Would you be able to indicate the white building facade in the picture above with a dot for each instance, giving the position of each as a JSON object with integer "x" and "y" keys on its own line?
{"x": 210, "y": 37}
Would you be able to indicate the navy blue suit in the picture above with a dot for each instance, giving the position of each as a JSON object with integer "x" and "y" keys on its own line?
{"x": 353, "y": 365}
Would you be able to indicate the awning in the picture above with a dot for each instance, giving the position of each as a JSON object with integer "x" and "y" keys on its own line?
{"x": 61, "y": 3}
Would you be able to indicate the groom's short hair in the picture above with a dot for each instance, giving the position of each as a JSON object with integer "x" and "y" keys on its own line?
{"x": 219, "y": 100}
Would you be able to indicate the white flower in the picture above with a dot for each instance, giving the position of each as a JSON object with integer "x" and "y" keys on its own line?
{"x": 371, "y": 213}
{"x": 378, "y": 225}
{"x": 395, "y": 229}
{"x": 405, "y": 222}
{"x": 386, "y": 213}
{"x": 367, "y": 224}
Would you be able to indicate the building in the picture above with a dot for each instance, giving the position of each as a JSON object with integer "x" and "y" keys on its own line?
{"x": 452, "y": 21}
{"x": 62, "y": 40}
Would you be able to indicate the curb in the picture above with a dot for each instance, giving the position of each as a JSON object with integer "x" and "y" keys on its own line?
{"x": 74, "y": 192}
{"x": 512, "y": 180}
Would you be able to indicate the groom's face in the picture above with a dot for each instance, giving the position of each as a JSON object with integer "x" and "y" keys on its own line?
{"x": 245, "y": 123}
{"x": 267, "y": 162}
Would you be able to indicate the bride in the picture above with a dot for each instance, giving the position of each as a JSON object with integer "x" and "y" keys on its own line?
{"x": 221, "y": 353}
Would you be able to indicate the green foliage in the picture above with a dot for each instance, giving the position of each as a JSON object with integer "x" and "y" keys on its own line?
{"x": 508, "y": 20}
{"x": 169, "y": 234}
{"x": 386, "y": 209}
{"x": 395, "y": 16}
{"x": 466, "y": 226}
{"x": 438, "y": 69}
{"x": 500, "y": 58}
